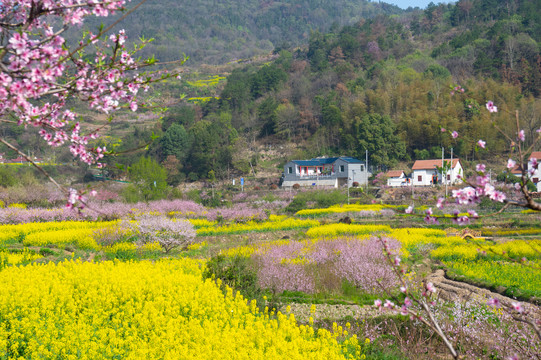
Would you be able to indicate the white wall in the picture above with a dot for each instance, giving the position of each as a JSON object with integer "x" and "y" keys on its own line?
{"x": 426, "y": 177}
{"x": 397, "y": 182}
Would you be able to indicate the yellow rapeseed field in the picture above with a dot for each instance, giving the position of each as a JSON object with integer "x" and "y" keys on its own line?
{"x": 342, "y": 208}
{"x": 333, "y": 230}
{"x": 273, "y": 224}
{"x": 145, "y": 310}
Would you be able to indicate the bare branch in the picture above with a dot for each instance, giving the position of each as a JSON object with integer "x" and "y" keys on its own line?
{"x": 37, "y": 166}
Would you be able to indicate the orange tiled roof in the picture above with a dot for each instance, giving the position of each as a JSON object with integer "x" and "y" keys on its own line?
{"x": 431, "y": 164}
{"x": 535, "y": 154}
{"x": 394, "y": 173}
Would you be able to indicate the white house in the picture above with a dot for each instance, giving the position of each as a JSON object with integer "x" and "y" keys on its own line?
{"x": 425, "y": 172}
{"x": 535, "y": 173}
{"x": 328, "y": 172}
{"x": 397, "y": 178}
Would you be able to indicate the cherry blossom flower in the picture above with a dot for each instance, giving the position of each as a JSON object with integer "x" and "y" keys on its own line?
{"x": 511, "y": 163}
{"x": 521, "y": 135}
{"x": 491, "y": 107}
{"x": 481, "y": 143}
{"x": 461, "y": 220}
{"x": 533, "y": 165}
{"x": 482, "y": 180}
{"x": 466, "y": 196}
{"x": 389, "y": 304}
{"x": 407, "y": 302}
{"x": 454, "y": 134}
{"x": 517, "y": 307}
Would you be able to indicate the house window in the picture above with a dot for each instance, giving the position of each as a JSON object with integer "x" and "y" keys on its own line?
{"x": 290, "y": 170}
{"x": 448, "y": 177}
{"x": 420, "y": 178}
{"x": 362, "y": 167}
{"x": 535, "y": 180}
{"x": 342, "y": 168}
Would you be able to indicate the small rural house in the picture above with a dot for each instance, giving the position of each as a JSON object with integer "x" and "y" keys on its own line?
{"x": 425, "y": 172}
{"x": 328, "y": 172}
{"x": 397, "y": 178}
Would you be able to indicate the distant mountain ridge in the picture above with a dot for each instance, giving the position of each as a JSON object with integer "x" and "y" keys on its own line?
{"x": 216, "y": 32}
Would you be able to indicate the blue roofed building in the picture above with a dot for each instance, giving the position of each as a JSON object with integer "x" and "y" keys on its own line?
{"x": 325, "y": 172}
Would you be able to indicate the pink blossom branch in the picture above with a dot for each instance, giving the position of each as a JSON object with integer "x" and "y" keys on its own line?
{"x": 104, "y": 31}
{"x": 406, "y": 307}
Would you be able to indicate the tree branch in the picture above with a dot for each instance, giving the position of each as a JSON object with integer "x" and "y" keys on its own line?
{"x": 42, "y": 170}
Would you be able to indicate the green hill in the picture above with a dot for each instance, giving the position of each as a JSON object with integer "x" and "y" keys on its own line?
{"x": 216, "y": 32}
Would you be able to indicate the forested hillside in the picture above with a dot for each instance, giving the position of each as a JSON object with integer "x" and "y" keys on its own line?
{"x": 384, "y": 85}
{"x": 216, "y": 32}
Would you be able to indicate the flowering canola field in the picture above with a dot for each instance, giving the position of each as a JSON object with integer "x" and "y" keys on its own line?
{"x": 343, "y": 208}
{"x": 275, "y": 223}
{"x": 145, "y": 310}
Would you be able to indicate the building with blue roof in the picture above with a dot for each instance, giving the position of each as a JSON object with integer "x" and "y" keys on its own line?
{"x": 325, "y": 172}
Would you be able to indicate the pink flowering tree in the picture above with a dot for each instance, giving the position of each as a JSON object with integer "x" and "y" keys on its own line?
{"x": 39, "y": 72}
{"x": 169, "y": 233}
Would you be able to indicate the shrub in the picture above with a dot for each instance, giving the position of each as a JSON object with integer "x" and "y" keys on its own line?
{"x": 296, "y": 205}
{"x": 296, "y": 186}
{"x": 273, "y": 187}
{"x": 234, "y": 272}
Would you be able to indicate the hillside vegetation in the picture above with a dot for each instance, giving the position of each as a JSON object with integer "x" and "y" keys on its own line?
{"x": 216, "y": 32}
{"x": 383, "y": 83}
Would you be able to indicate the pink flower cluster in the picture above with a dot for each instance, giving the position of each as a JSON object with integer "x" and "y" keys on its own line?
{"x": 40, "y": 66}
{"x": 457, "y": 89}
{"x": 470, "y": 195}
{"x": 40, "y": 72}
{"x": 491, "y": 107}
{"x": 483, "y": 188}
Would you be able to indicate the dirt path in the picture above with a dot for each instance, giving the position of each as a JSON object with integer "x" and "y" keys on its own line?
{"x": 451, "y": 290}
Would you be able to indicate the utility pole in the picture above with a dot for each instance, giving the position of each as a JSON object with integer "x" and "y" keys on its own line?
{"x": 348, "y": 188}
{"x": 366, "y": 169}
{"x": 442, "y": 162}
{"x": 451, "y": 173}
